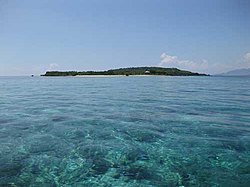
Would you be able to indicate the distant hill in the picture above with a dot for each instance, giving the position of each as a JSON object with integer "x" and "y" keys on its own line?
{"x": 237, "y": 72}
{"x": 128, "y": 71}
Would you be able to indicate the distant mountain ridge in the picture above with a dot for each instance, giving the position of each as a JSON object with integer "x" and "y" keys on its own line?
{"x": 237, "y": 72}
{"x": 128, "y": 71}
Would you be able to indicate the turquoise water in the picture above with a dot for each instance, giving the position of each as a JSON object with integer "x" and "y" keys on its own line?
{"x": 124, "y": 131}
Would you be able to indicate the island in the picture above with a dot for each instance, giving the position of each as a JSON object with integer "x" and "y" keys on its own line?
{"x": 128, "y": 71}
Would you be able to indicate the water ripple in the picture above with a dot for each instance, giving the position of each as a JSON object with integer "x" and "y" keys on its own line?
{"x": 124, "y": 131}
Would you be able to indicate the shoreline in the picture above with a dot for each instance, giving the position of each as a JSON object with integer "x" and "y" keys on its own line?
{"x": 99, "y": 76}
{"x": 103, "y": 76}
{"x": 117, "y": 75}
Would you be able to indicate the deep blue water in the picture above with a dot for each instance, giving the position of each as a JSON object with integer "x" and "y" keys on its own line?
{"x": 125, "y": 131}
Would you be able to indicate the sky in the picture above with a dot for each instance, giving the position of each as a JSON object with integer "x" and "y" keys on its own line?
{"x": 197, "y": 35}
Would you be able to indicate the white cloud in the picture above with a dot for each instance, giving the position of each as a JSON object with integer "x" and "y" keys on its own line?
{"x": 174, "y": 62}
{"x": 53, "y": 66}
{"x": 247, "y": 57}
{"x": 203, "y": 66}
{"x": 167, "y": 59}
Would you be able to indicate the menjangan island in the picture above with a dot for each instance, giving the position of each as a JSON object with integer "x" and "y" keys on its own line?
{"x": 129, "y": 71}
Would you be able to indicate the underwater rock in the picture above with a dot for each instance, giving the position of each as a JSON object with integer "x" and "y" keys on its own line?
{"x": 245, "y": 140}
{"x": 44, "y": 184}
{"x": 3, "y": 121}
{"x": 136, "y": 154}
{"x": 3, "y": 135}
{"x": 100, "y": 165}
{"x": 95, "y": 154}
{"x": 92, "y": 151}
{"x": 8, "y": 184}
{"x": 44, "y": 143}
{"x": 8, "y": 168}
{"x": 223, "y": 133}
{"x": 36, "y": 148}
{"x": 234, "y": 145}
{"x": 59, "y": 118}
{"x": 138, "y": 172}
{"x": 104, "y": 135}
{"x": 245, "y": 169}
{"x": 143, "y": 135}
{"x": 76, "y": 135}
{"x": 116, "y": 175}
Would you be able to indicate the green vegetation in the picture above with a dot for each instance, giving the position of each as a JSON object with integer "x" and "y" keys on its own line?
{"x": 128, "y": 71}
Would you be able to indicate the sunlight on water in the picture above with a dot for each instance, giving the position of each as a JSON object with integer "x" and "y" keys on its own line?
{"x": 125, "y": 131}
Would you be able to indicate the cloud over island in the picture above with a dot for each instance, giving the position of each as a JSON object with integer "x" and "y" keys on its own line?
{"x": 52, "y": 66}
{"x": 174, "y": 61}
{"x": 247, "y": 57}
{"x": 203, "y": 66}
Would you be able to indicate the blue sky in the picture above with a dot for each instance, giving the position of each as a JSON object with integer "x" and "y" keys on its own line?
{"x": 198, "y": 35}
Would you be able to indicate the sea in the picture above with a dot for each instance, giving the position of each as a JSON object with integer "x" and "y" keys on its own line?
{"x": 151, "y": 131}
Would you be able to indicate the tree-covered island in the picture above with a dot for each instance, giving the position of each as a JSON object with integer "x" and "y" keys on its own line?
{"x": 128, "y": 71}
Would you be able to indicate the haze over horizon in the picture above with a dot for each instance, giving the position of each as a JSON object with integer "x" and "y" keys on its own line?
{"x": 200, "y": 36}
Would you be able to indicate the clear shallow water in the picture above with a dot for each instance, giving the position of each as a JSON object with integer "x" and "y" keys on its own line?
{"x": 125, "y": 131}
